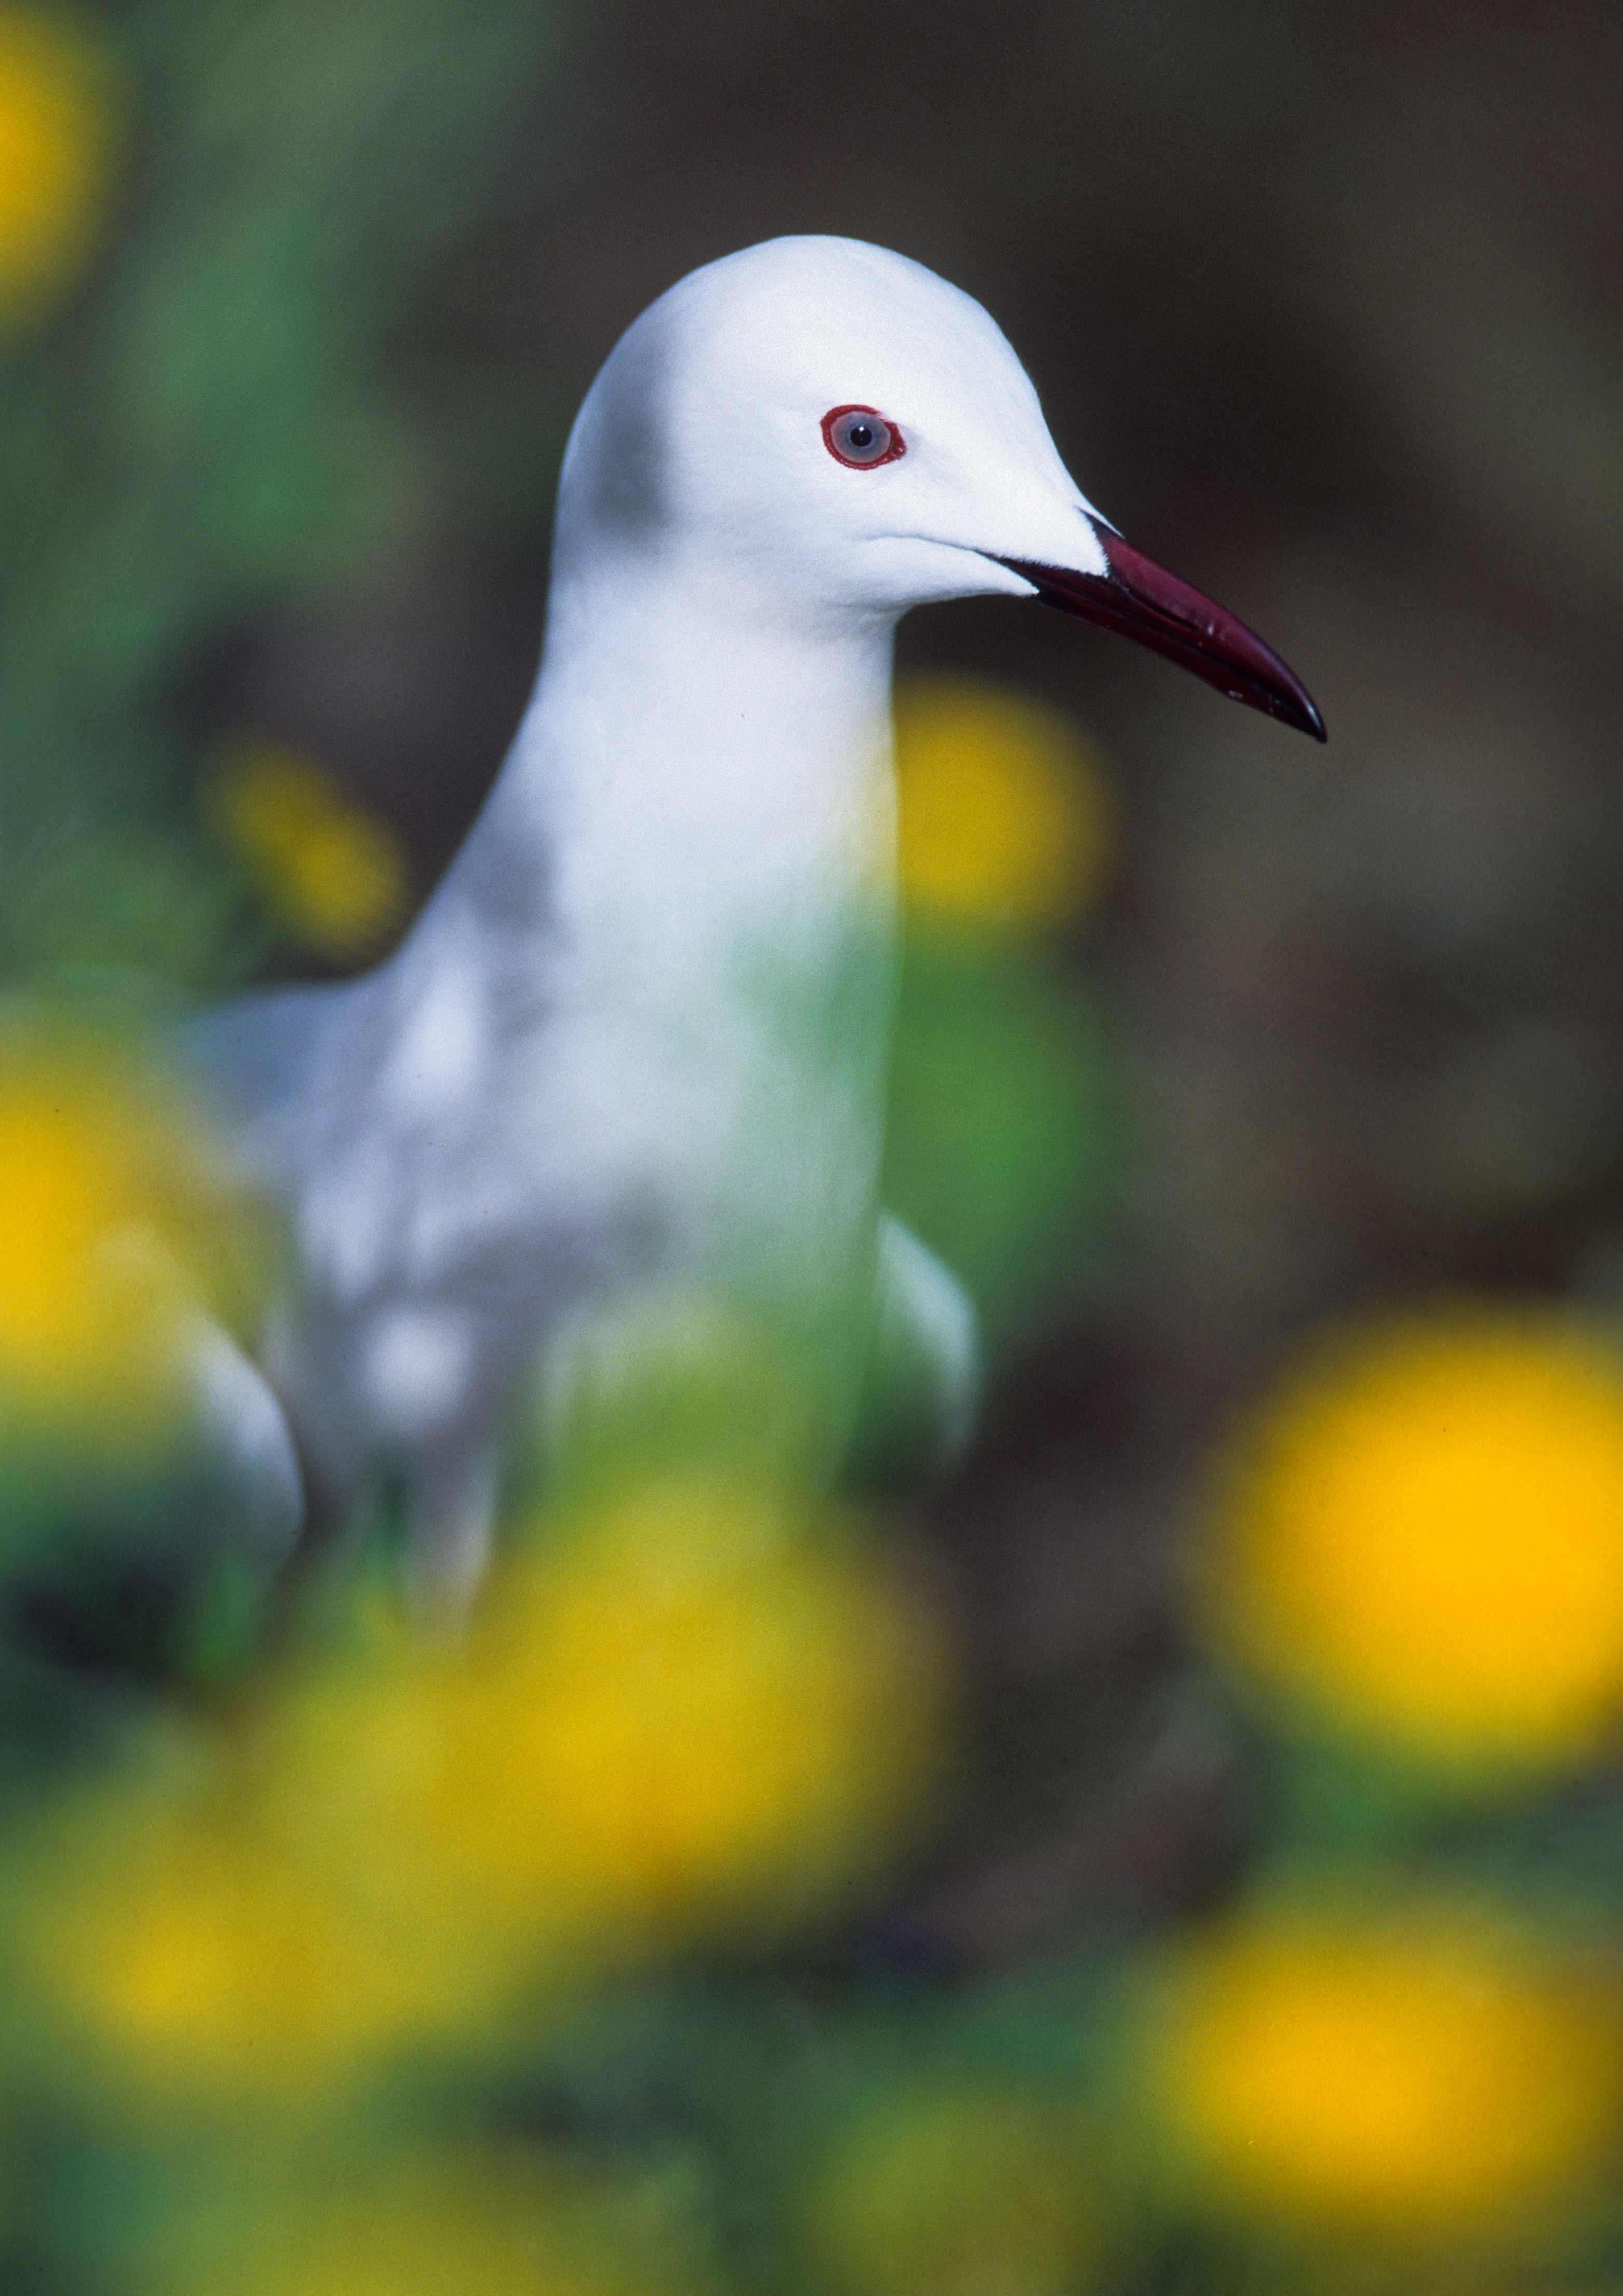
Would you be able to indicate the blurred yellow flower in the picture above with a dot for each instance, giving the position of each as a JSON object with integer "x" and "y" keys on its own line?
{"x": 960, "y": 2189}
{"x": 1412, "y": 2071}
{"x": 680, "y": 1715}
{"x": 680, "y": 1711}
{"x": 92, "y": 1214}
{"x": 298, "y": 1903}
{"x": 1005, "y": 818}
{"x": 335, "y": 877}
{"x": 257, "y": 1935}
{"x": 57, "y": 133}
{"x": 688, "y": 1706}
{"x": 1422, "y": 1538}
{"x": 189, "y": 1951}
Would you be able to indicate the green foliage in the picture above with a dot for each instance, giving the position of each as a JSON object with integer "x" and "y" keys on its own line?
{"x": 212, "y": 427}
{"x": 1007, "y": 1121}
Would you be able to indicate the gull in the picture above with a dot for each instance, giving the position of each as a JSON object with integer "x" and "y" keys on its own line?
{"x": 633, "y": 1050}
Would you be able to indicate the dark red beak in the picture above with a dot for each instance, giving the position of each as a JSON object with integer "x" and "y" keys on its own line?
{"x": 1142, "y": 600}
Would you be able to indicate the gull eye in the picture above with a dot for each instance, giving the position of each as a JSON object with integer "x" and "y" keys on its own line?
{"x": 860, "y": 438}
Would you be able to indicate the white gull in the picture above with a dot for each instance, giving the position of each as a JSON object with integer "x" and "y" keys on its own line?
{"x": 634, "y": 1047}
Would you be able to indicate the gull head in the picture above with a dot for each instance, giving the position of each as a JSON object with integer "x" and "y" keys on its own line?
{"x": 820, "y": 431}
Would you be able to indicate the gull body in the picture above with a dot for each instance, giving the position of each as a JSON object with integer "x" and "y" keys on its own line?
{"x": 634, "y": 1047}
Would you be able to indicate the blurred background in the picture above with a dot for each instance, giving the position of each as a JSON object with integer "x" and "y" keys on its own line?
{"x": 1249, "y": 1912}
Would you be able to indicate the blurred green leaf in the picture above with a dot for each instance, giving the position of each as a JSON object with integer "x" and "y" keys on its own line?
{"x": 1007, "y": 1122}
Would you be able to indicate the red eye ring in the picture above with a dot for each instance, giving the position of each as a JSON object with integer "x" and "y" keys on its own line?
{"x": 840, "y": 422}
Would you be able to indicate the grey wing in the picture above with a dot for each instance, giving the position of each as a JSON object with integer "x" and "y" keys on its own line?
{"x": 245, "y": 1447}
{"x": 923, "y": 1376}
{"x": 254, "y": 1061}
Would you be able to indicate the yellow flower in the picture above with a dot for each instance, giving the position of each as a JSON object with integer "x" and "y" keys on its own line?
{"x": 57, "y": 131}
{"x": 680, "y": 1718}
{"x": 1422, "y": 1538}
{"x": 967, "y": 2189}
{"x": 688, "y": 1709}
{"x": 333, "y": 875}
{"x": 189, "y": 1952}
{"x": 1005, "y": 818}
{"x": 93, "y": 1212}
{"x": 680, "y": 1712}
{"x": 295, "y": 1904}
{"x": 278, "y": 1911}
{"x": 1411, "y": 2071}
